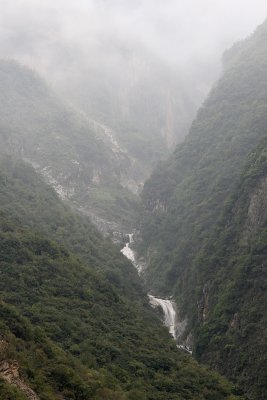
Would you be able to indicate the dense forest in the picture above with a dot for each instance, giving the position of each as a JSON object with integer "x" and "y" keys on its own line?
{"x": 203, "y": 223}
{"x": 74, "y": 316}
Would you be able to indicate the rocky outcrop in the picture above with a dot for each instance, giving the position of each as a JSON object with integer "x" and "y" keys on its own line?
{"x": 258, "y": 207}
{"x": 9, "y": 372}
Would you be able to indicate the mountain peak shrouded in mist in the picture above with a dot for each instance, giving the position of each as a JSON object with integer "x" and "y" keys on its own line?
{"x": 140, "y": 67}
{"x": 174, "y": 30}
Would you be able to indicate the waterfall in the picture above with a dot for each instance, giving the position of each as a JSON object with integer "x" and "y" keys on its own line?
{"x": 127, "y": 251}
{"x": 168, "y": 308}
{"x": 175, "y": 327}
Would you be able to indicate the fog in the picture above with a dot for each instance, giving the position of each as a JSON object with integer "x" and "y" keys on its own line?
{"x": 114, "y": 43}
{"x": 179, "y": 32}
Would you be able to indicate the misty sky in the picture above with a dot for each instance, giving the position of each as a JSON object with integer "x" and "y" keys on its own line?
{"x": 175, "y": 29}
{"x": 61, "y": 36}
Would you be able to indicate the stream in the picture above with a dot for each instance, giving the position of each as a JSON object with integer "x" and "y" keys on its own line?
{"x": 168, "y": 306}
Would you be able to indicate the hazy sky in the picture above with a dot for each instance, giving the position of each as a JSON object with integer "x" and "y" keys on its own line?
{"x": 189, "y": 35}
{"x": 175, "y": 29}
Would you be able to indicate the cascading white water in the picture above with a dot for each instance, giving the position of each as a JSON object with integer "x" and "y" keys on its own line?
{"x": 168, "y": 308}
{"x": 166, "y": 305}
{"x": 176, "y": 327}
{"x": 127, "y": 251}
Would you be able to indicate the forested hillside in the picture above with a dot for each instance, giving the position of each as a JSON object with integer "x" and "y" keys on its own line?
{"x": 75, "y": 154}
{"x": 204, "y": 221}
{"x": 75, "y": 322}
{"x": 232, "y": 270}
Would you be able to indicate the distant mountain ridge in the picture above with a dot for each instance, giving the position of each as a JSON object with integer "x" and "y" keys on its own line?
{"x": 75, "y": 154}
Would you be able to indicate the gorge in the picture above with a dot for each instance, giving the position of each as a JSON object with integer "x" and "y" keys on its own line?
{"x": 176, "y": 309}
{"x": 74, "y": 316}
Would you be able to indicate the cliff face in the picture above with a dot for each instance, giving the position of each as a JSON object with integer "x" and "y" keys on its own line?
{"x": 195, "y": 245}
{"x": 143, "y": 99}
{"x": 257, "y": 210}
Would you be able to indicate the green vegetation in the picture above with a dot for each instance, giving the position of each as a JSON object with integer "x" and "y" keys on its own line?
{"x": 8, "y": 392}
{"x": 204, "y": 221}
{"x": 69, "y": 149}
{"x": 73, "y": 313}
{"x": 113, "y": 202}
{"x": 234, "y": 258}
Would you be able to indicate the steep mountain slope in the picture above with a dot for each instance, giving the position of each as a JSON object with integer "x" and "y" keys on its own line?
{"x": 144, "y": 100}
{"x": 75, "y": 154}
{"x": 187, "y": 252}
{"x": 74, "y": 318}
{"x": 232, "y": 270}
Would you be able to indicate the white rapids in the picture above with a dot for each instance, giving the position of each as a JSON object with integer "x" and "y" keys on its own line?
{"x": 168, "y": 308}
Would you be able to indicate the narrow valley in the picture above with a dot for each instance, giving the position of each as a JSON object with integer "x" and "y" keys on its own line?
{"x": 133, "y": 200}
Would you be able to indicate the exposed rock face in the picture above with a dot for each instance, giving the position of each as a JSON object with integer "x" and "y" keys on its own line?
{"x": 256, "y": 215}
{"x": 9, "y": 372}
{"x": 146, "y": 117}
{"x": 258, "y": 207}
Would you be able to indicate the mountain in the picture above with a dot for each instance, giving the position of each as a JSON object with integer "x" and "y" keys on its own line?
{"x": 143, "y": 99}
{"x": 203, "y": 224}
{"x": 75, "y": 321}
{"x": 233, "y": 319}
{"x": 75, "y": 154}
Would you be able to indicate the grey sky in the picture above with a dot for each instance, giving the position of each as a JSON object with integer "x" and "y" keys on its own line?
{"x": 164, "y": 25}
{"x": 189, "y": 35}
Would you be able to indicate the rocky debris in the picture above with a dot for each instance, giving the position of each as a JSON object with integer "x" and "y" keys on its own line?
{"x": 9, "y": 372}
{"x": 119, "y": 238}
{"x": 103, "y": 225}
